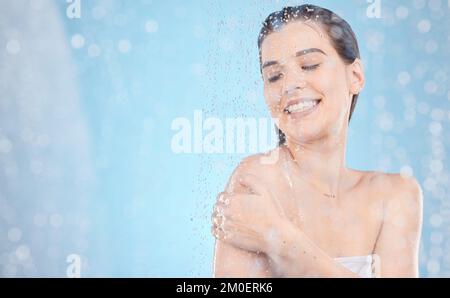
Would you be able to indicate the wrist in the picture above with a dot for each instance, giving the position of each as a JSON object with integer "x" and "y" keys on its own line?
{"x": 282, "y": 241}
{"x": 291, "y": 237}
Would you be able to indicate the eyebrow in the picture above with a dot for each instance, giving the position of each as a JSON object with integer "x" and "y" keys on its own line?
{"x": 299, "y": 53}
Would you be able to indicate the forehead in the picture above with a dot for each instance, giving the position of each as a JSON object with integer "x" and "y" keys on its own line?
{"x": 292, "y": 38}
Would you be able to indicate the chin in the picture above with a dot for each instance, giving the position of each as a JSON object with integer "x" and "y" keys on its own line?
{"x": 304, "y": 134}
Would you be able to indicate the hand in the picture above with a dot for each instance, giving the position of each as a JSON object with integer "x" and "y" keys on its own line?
{"x": 250, "y": 221}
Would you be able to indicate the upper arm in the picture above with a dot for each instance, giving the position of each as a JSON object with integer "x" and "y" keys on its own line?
{"x": 398, "y": 242}
{"x": 230, "y": 261}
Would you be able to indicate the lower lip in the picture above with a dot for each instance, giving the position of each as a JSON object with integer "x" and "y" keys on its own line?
{"x": 298, "y": 115}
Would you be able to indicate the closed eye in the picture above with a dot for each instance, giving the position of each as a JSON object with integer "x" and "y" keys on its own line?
{"x": 275, "y": 78}
{"x": 310, "y": 67}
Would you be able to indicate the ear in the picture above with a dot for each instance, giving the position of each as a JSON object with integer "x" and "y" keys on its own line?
{"x": 356, "y": 77}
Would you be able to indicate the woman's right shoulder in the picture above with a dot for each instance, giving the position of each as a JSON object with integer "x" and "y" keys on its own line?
{"x": 260, "y": 165}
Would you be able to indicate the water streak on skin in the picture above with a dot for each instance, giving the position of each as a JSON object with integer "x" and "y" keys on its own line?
{"x": 286, "y": 170}
{"x": 286, "y": 173}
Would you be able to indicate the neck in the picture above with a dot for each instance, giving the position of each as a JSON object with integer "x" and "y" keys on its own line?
{"x": 322, "y": 162}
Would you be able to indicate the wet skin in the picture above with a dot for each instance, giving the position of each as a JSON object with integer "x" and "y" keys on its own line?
{"x": 292, "y": 216}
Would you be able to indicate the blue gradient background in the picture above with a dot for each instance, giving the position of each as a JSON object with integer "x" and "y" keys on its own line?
{"x": 86, "y": 165}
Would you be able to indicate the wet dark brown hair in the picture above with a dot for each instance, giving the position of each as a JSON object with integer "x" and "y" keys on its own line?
{"x": 340, "y": 33}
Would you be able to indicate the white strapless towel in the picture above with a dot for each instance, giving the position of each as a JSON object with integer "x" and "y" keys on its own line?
{"x": 365, "y": 266}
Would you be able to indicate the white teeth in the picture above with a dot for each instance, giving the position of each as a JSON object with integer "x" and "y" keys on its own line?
{"x": 302, "y": 106}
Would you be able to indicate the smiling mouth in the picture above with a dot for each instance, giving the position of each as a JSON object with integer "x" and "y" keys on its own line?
{"x": 302, "y": 106}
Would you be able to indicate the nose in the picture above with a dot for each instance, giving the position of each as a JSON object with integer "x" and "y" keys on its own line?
{"x": 293, "y": 90}
{"x": 293, "y": 82}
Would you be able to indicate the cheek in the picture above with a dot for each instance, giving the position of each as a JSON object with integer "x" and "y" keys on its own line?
{"x": 272, "y": 95}
{"x": 331, "y": 82}
{"x": 324, "y": 80}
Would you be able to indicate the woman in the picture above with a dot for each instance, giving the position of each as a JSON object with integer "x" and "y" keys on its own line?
{"x": 306, "y": 214}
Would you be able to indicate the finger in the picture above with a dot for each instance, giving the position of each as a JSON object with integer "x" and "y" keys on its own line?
{"x": 216, "y": 218}
{"x": 257, "y": 186}
{"x": 224, "y": 198}
{"x": 218, "y": 232}
{"x": 214, "y": 213}
{"x": 219, "y": 208}
{"x": 214, "y": 232}
{"x": 227, "y": 211}
{"x": 221, "y": 196}
{"x": 253, "y": 183}
{"x": 219, "y": 214}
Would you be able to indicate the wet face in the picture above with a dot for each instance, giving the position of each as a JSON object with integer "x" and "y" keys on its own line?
{"x": 307, "y": 86}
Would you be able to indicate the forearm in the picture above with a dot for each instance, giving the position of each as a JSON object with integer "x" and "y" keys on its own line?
{"x": 295, "y": 255}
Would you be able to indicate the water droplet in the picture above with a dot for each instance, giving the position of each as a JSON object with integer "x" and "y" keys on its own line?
{"x": 151, "y": 26}
{"x": 77, "y": 41}
{"x": 124, "y": 46}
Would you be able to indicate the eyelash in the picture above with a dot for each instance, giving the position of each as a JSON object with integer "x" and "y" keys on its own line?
{"x": 307, "y": 68}
{"x": 310, "y": 67}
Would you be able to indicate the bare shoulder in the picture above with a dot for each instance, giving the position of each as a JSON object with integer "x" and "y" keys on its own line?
{"x": 261, "y": 161}
{"x": 397, "y": 190}
{"x": 395, "y": 184}
{"x": 261, "y": 165}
